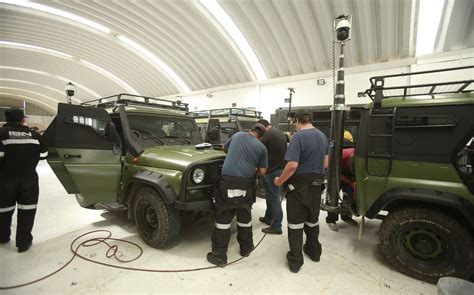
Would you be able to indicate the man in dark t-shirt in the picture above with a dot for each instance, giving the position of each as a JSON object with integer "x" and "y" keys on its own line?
{"x": 275, "y": 142}
{"x": 307, "y": 158}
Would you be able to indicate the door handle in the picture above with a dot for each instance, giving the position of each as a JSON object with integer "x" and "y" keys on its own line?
{"x": 68, "y": 156}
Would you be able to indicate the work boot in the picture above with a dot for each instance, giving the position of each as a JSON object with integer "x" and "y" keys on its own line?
{"x": 350, "y": 221}
{"x": 216, "y": 259}
{"x": 293, "y": 268}
{"x": 332, "y": 226}
{"x": 264, "y": 220}
{"x": 22, "y": 249}
{"x": 272, "y": 230}
{"x": 313, "y": 257}
{"x": 246, "y": 253}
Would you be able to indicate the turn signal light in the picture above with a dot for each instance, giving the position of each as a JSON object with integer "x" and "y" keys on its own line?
{"x": 135, "y": 160}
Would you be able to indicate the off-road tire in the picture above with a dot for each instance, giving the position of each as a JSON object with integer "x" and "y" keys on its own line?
{"x": 260, "y": 191}
{"x": 158, "y": 223}
{"x": 407, "y": 236}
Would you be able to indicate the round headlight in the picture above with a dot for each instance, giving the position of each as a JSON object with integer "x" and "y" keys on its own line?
{"x": 198, "y": 175}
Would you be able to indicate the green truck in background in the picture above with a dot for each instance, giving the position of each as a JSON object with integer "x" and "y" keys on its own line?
{"x": 414, "y": 161}
{"x": 135, "y": 153}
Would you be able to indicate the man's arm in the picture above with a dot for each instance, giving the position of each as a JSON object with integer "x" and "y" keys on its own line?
{"x": 326, "y": 162}
{"x": 290, "y": 169}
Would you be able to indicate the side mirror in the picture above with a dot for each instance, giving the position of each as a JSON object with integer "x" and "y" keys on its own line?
{"x": 111, "y": 132}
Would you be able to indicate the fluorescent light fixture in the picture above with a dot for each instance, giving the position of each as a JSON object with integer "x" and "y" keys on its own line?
{"x": 34, "y": 48}
{"x": 64, "y": 79}
{"x": 136, "y": 48}
{"x": 158, "y": 62}
{"x": 224, "y": 19}
{"x": 429, "y": 17}
{"x": 58, "y": 12}
{"x": 90, "y": 65}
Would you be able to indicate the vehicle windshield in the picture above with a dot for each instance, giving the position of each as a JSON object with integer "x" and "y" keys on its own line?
{"x": 150, "y": 130}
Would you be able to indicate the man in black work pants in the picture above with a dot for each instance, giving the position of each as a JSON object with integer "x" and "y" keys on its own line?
{"x": 20, "y": 150}
{"x": 307, "y": 157}
{"x": 235, "y": 192}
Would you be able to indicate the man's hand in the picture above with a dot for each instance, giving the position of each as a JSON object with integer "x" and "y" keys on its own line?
{"x": 277, "y": 182}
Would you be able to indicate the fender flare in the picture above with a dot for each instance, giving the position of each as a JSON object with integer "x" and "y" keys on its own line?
{"x": 452, "y": 201}
{"x": 155, "y": 180}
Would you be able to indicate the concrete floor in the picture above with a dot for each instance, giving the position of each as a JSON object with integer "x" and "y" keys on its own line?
{"x": 347, "y": 266}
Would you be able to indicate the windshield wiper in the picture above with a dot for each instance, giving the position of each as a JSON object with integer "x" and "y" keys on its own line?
{"x": 154, "y": 136}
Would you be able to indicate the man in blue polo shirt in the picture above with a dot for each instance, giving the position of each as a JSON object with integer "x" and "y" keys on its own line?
{"x": 307, "y": 159}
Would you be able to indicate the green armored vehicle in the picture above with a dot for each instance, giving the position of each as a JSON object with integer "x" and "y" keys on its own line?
{"x": 218, "y": 125}
{"x": 414, "y": 162}
{"x": 135, "y": 153}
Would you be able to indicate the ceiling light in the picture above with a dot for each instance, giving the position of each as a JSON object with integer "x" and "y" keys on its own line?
{"x": 58, "y": 12}
{"x": 135, "y": 47}
{"x": 64, "y": 79}
{"x": 90, "y": 65}
{"x": 225, "y": 21}
{"x": 153, "y": 58}
{"x": 34, "y": 48}
{"x": 429, "y": 16}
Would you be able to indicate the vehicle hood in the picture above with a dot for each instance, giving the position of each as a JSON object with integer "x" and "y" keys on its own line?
{"x": 177, "y": 157}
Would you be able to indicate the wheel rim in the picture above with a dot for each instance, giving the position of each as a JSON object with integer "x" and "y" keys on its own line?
{"x": 150, "y": 222}
{"x": 426, "y": 246}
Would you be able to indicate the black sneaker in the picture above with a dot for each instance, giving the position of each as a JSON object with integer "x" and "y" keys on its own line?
{"x": 264, "y": 220}
{"x": 216, "y": 260}
{"x": 22, "y": 249}
{"x": 313, "y": 257}
{"x": 272, "y": 230}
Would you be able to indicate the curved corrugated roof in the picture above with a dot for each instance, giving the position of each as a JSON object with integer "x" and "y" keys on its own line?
{"x": 288, "y": 37}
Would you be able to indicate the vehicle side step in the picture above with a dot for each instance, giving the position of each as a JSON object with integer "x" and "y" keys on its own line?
{"x": 111, "y": 206}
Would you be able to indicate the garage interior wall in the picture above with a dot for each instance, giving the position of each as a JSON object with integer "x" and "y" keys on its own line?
{"x": 270, "y": 95}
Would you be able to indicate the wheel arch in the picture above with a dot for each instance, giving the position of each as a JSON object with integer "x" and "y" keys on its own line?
{"x": 395, "y": 199}
{"x": 146, "y": 178}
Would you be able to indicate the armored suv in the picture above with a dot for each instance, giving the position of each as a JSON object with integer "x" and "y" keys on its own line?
{"x": 135, "y": 153}
{"x": 414, "y": 162}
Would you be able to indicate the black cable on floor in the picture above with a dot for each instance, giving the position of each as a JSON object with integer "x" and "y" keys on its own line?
{"x": 112, "y": 253}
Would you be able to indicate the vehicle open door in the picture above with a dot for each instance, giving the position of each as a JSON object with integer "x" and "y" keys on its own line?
{"x": 85, "y": 153}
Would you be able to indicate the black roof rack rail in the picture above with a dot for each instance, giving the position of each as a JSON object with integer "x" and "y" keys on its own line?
{"x": 145, "y": 102}
{"x": 377, "y": 91}
{"x": 230, "y": 112}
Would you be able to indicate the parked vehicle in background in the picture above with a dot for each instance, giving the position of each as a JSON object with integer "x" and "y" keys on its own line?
{"x": 321, "y": 118}
{"x": 218, "y": 125}
{"x": 134, "y": 153}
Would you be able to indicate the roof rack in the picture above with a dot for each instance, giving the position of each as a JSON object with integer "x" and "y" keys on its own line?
{"x": 230, "y": 112}
{"x": 377, "y": 91}
{"x": 116, "y": 100}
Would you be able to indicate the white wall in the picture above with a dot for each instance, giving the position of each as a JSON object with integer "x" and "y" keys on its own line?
{"x": 269, "y": 95}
